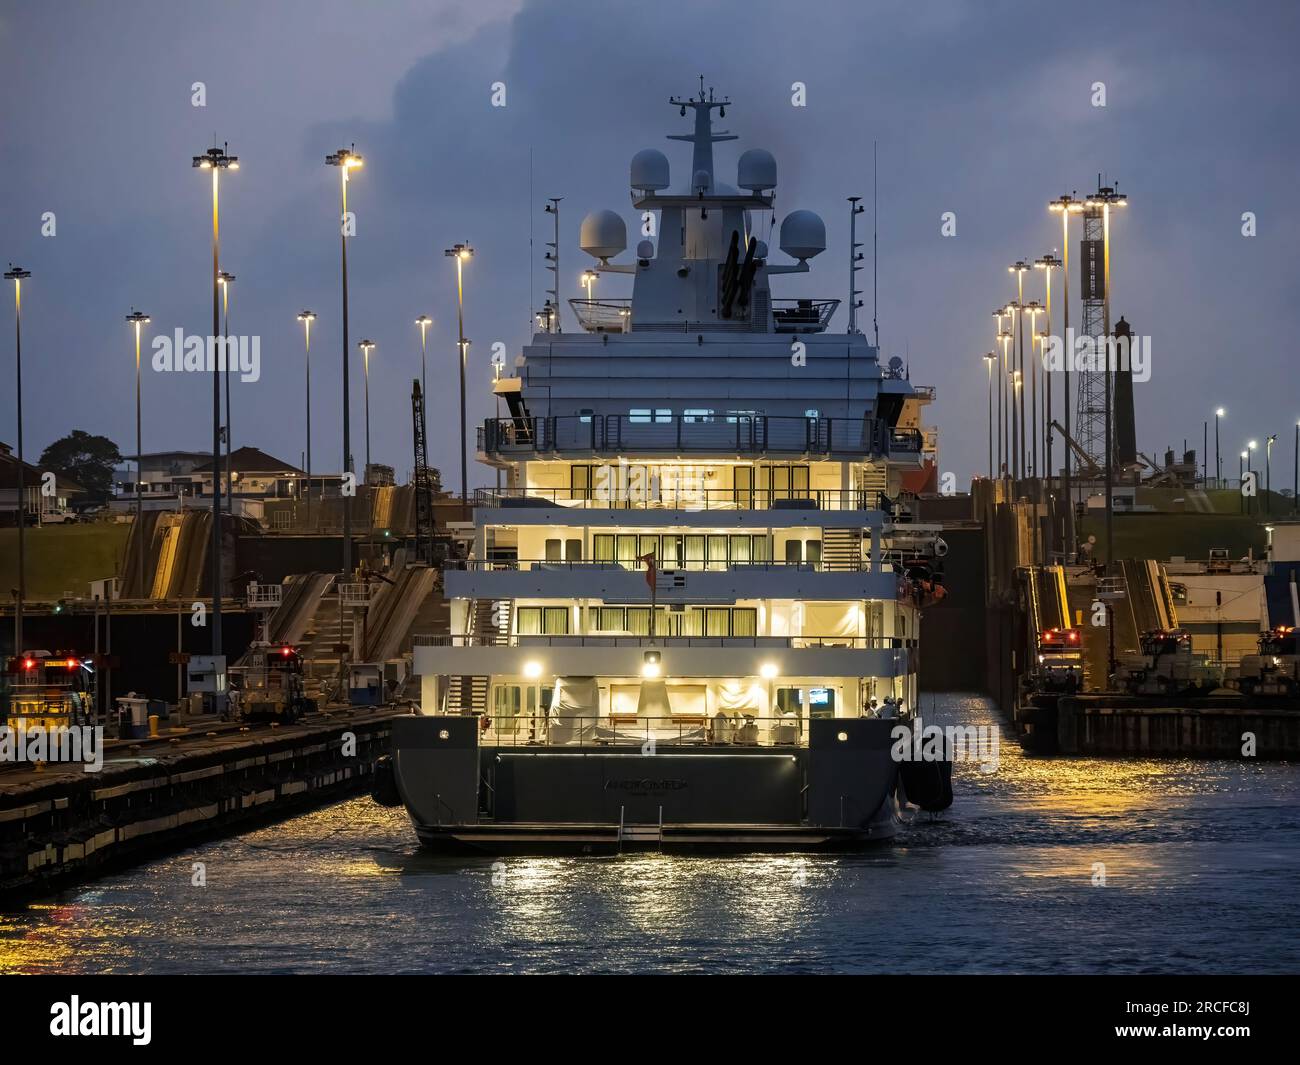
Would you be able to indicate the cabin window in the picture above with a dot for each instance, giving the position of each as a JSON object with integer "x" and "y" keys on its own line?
{"x": 553, "y": 551}
{"x": 580, "y": 480}
{"x": 573, "y": 550}
{"x": 639, "y": 415}
{"x": 697, "y": 415}
{"x": 542, "y": 621}
{"x": 663, "y": 414}
{"x": 507, "y": 701}
{"x": 602, "y": 545}
{"x": 742, "y": 482}
{"x": 744, "y": 621}
{"x": 555, "y": 620}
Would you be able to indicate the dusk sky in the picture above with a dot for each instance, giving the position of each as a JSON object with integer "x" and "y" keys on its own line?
{"x": 982, "y": 109}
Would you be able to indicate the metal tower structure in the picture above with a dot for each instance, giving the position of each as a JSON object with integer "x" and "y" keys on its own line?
{"x": 1093, "y": 385}
{"x": 422, "y": 480}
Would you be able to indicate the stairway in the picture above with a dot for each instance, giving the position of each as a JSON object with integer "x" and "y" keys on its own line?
{"x": 467, "y": 695}
{"x": 842, "y": 549}
{"x": 872, "y": 481}
{"x": 323, "y": 632}
{"x": 491, "y": 623}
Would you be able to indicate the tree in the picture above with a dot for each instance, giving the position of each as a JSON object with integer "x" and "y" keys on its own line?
{"x": 85, "y": 458}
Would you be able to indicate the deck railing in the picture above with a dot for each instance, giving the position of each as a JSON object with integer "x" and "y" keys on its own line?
{"x": 677, "y": 434}
{"x": 648, "y": 733}
{"x": 597, "y": 639}
{"x": 623, "y": 493}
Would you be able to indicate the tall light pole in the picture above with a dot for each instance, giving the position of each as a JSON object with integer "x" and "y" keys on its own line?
{"x": 1047, "y": 264}
{"x": 989, "y": 360}
{"x": 216, "y": 160}
{"x": 998, "y": 315}
{"x": 367, "y": 346}
{"x": 1268, "y": 472}
{"x": 138, "y": 319}
{"x": 1033, "y": 308}
{"x": 1020, "y": 268}
{"x": 347, "y": 160}
{"x": 225, "y": 277}
{"x": 424, "y": 321}
{"x": 1004, "y": 395}
{"x": 589, "y": 279}
{"x": 17, "y": 275}
{"x": 1295, "y": 473}
{"x": 1013, "y": 412}
{"x": 461, "y": 253}
{"x": 307, "y": 317}
{"x": 1066, "y": 205}
{"x": 1218, "y": 466}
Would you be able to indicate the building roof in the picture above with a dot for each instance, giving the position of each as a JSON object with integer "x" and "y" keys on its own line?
{"x": 31, "y": 474}
{"x": 252, "y": 460}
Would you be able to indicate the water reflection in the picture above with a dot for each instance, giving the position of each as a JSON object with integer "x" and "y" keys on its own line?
{"x": 1197, "y": 864}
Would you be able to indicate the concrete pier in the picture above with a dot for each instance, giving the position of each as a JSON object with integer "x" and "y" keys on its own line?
{"x": 1228, "y": 727}
{"x": 59, "y": 823}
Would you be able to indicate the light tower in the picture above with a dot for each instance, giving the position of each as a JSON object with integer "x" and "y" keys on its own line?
{"x": 1020, "y": 268}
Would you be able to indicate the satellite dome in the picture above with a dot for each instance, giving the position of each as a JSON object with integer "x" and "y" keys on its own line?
{"x": 649, "y": 170}
{"x": 645, "y": 249}
{"x": 803, "y": 234}
{"x": 756, "y": 170}
{"x": 603, "y": 234}
{"x": 760, "y": 249}
{"x": 701, "y": 181}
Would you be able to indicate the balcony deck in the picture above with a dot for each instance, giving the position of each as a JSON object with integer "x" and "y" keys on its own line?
{"x": 671, "y": 435}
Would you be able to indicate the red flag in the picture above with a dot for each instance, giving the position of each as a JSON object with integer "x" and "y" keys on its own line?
{"x": 651, "y": 570}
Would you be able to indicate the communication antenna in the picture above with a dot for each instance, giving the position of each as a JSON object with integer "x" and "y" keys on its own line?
{"x": 855, "y": 257}
{"x": 532, "y": 301}
{"x": 553, "y": 257}
{"x": 875, "y": 214}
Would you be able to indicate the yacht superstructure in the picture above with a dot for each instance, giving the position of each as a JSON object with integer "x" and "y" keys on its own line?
{"x": 680, "y": 613}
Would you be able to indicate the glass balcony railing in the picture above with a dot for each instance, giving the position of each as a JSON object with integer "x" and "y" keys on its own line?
{"x": 623, "y": 434}
{"x": 683, "y": 497}
{"x": 492, "y": 639}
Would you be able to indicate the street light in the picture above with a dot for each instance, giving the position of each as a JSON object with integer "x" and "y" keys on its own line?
{"x": 989, "y": 360}
{"x": 461, "y": 253}
{"x": 1047, "y": 264}
{"x": 589, "y": 279}
{"x": 1066, "y": 205}
{"x": 1268, "y": 472}
{"x": 17, "y": 275}
{"x": 1004, "y": 396}
{"x": 1014, "y": 309}
{"x": 424, "y": 321}
{"x": 307, "y": 317}
{"x": 1033, "y": 308}
{"x": 216, "y": 160}
{"x": 1218, "y": 466}
{"x": 225, "y": 278}
{"x": 1020, "y": 268}
{"x": 138, "y": 319}
{"x": 367, "y": 346}
{"x": 347, "y": 160}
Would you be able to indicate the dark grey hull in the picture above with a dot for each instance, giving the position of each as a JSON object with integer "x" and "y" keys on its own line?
{"x": 837, "y": 793}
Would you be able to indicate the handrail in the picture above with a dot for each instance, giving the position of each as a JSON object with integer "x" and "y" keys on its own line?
{"x": 596, "y": 639}
{"x": 620, "y": 493}
{"x": 631, "y": 730}
{"x": 673, "y": 434}
{"x": 695, "y": 566}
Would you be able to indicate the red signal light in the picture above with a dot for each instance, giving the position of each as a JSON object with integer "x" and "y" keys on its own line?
{"x": 29, "y": 663}
{"x": 286, "y": 651}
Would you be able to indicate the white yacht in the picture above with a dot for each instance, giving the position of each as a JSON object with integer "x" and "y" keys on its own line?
{"x": 681, "y": 613}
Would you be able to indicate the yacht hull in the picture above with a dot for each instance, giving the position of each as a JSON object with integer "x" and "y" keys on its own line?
{"x": 836, "y": 793}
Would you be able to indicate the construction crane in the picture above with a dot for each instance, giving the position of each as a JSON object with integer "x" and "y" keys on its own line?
{"x": 422, "y": 480}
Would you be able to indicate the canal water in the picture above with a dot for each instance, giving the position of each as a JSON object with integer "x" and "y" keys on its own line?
{"x": 1044, "y": 865}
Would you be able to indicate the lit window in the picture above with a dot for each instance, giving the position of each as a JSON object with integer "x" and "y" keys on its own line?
{"x": 639, "y": 416}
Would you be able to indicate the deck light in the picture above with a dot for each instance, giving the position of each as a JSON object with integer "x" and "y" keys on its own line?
{"x": 651, "y": 666}
{"x": 767, "y": 670}
{"x": 532, "y": 670}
